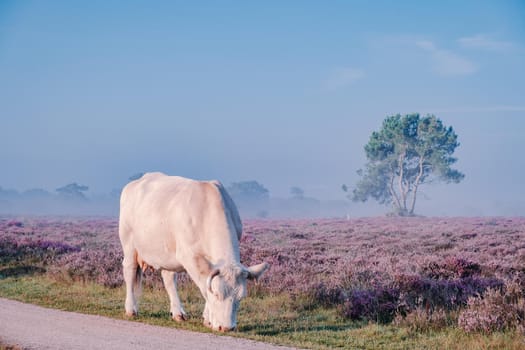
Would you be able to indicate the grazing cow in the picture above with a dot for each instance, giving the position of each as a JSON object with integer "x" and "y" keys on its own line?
{"x": 174, "y": 224}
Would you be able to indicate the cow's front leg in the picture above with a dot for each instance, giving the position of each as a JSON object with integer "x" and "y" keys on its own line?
{"x": 132, "y": 277}
{"x": 170, "y": 283}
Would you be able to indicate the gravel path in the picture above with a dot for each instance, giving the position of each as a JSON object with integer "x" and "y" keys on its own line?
{"x": 35, "y": 327}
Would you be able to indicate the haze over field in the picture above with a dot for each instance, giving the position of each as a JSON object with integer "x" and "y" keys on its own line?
{"x": 285, "y": 93}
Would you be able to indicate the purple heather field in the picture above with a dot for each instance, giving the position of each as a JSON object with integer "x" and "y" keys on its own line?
{"x": 381, "y": 269}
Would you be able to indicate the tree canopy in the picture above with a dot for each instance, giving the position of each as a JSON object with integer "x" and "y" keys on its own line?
{"x": 407, "y": 152}
{"x": 72, "y": 191}
{"x": 251, "y": 197}
{"x": 248, "y": 190}
{"x": 297, "y": 192}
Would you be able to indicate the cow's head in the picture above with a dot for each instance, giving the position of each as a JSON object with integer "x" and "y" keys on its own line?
{"x": 226, "y": 286}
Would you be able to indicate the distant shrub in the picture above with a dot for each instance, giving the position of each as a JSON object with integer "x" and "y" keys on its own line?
{"x": 8, "y": 249}
{"x": 15, "y": 223}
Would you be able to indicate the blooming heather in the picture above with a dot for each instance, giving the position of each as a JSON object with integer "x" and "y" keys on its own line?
{"x": 368, "y": 268}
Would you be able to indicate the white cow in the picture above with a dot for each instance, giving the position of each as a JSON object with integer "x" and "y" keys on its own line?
{"x": 174, "y": 224}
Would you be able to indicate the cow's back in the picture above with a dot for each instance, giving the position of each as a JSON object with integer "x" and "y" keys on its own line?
{"x": 149, "y": 196}
{"x": 162, "y": 215}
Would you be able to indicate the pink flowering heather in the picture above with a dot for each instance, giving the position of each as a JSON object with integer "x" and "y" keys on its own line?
{"x": 368, "y": 268}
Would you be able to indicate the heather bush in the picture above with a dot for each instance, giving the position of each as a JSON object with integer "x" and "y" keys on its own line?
{"x": 32, "y": 251}
{"x": 450, "y": 267}
{"x": 495, "y": 310}
{"x": 417, "y": 291}
{"x": 488, "y": 313}
{"x": 327, "y": 295}
{"x": 378, "y": 305}
{"x": 102, "y": 267}
{"x": 404, "y": 296}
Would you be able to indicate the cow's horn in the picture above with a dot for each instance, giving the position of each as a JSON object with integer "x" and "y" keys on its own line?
{"x": 210, "y": 277}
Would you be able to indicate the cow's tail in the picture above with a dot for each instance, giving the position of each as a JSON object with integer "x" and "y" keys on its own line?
{"x": 137, "y": 286}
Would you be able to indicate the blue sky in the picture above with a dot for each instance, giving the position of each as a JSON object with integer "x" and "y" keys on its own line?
{"x": 283, "y": 92}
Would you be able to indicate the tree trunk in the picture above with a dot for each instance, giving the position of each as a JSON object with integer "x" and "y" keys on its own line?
{"x": 397, "y": 203}
{"x": 416, "y": 184}
{"x": 402, "y": 190}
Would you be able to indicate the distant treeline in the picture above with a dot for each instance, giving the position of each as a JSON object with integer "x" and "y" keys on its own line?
{"x": 68, "y": 200}
{"x": 252, "y": 199}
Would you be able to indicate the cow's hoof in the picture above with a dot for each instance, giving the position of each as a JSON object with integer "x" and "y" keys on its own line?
{"x": 207, "y": 323}
{"x": 132, "y": 314}
{"x": 179, "y": 317}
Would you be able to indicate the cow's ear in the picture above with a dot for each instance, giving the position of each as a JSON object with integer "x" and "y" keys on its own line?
{"x": 255, "y": 271}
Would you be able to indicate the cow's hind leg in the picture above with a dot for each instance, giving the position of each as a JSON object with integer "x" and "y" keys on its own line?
{"x": 133, "y": 279}
{"x": 170, "y": 283}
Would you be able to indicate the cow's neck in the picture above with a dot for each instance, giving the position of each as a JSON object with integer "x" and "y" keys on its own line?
{"x": 224, "y": 250}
